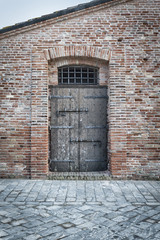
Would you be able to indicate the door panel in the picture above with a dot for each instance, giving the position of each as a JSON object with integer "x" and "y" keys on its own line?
{"x": 78, "y": 129}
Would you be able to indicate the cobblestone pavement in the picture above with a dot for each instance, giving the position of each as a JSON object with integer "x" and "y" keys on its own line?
{"x": 75, "y": 210}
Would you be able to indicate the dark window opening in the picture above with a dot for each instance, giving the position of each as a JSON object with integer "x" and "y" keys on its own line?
{"x": 78, "y": 75}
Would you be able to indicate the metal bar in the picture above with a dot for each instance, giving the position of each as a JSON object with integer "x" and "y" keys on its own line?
{"x": 88, "y": 75}
{"x": 93, "y": 97}
{"x": 94, "y": 160}
{"x": 65, "y": 160}
{"x": 72, "y": 85}
{"x": 81, "y": 77}
{"x": 68, "y": 76}
{"x": 74, "y": 110}
{"x": 61, "y": 127}
{"x": 60, "y": 97}
{"x": 84, "y": 140}
{"x": 74, "y": 75}
{"x": 62, "y": 76}
{"x": 95, "y": 127}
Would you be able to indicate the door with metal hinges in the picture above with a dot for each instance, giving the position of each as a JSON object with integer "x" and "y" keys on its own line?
{"x": 78, "y": 129}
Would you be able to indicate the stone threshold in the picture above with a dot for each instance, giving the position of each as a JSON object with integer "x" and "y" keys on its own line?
{"x": 105, "y": 175}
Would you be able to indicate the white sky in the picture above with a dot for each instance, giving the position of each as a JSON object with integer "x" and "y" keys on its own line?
{"x": 16, "y": 11}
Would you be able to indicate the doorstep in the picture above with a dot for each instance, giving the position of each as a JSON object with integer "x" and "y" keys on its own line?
{"x": 103, "y": 175}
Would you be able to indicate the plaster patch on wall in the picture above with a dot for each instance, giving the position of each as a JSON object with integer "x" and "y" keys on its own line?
{"x": 19, "y": 168}
{"x": 3, "y": 166}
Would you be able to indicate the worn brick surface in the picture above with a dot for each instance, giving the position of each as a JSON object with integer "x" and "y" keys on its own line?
{"x": 122, "y": 38}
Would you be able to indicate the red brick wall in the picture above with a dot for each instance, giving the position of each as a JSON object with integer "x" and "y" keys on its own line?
{"x": 123, "y": 33}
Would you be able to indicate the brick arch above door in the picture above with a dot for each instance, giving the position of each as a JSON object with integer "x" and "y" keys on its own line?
{"x": 77, "y": 51}
{"x": 103, "y": 67}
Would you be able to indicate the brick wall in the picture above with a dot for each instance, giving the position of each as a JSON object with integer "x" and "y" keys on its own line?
{"x": 121, "y": 35}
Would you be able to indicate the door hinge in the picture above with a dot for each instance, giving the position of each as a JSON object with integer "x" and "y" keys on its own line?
{"x": 61, "y": 127}
{"x": 64, "y": 111}
{"x": 85, "y": 141}
{"x": 59, "y": 97}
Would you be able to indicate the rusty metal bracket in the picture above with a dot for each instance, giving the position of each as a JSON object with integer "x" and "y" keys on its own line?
{"x": 94, "y": 97}
{"x": 59, "y": 97}
{"x": 95, "y": 127}
{"x": 63, "y": 112}
{"x": 61, "y": 127}
{"x": 85, "y": 141}
{"x": 65, "y": 160}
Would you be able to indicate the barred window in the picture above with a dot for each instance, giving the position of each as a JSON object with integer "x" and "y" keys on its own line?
{"x": 78, "y": 75}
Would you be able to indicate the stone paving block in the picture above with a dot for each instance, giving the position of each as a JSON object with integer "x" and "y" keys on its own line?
{"x": 148, "y": 232}
{"x": 38, "y": 229}
{"x": 157, "y": 235}
{"x": 129, "y": 232}
{"x": 143, "y": 208}
{"x": 9, "y": 238}
{"x": 131, "y": 214}
{"x": 55, "y": 236}
{"x": 84, "y": 208}
{"x": 137, "y": 219}
{"x": 31, "y": 224}
{"x": 18, "y": 222}
{"x": 3, "y": 233}
{"x": 3, "y": 213}
{"x": 46, "y": 232}
{"x": 127, "y": 210}
{"x": 33, "y": 237}
{"x": 156, "y": 216}
{"x": 71, "y": 231}
{"x": 70, "y": 199}
{"x": 51, "y": 199}
{"x": 4, "y": 226}
{"x": 144, "y": 225}
{"x": 150, "y": 213}
{"x": 12, "y": 231}
{"x": 6, "y": 220}
{"x": 70, "y": 237}
{"x": 153, "y": 238}
{"x": 87, "y": 225}
{"x": 80, "y": 221}
{"x": 120, "y": 219}
{"x": 112, "y": 215}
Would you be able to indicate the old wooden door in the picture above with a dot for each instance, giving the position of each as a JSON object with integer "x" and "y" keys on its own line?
{"x": 78, "y": 129}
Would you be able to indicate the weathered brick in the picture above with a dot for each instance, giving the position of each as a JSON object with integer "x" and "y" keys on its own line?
{"x": 121, "y": 38}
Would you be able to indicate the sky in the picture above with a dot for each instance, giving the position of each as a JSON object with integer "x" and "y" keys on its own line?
{"x": 16, "y": 11}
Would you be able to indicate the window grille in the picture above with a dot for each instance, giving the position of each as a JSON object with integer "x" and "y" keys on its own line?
{"x": 78, "y": 75}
